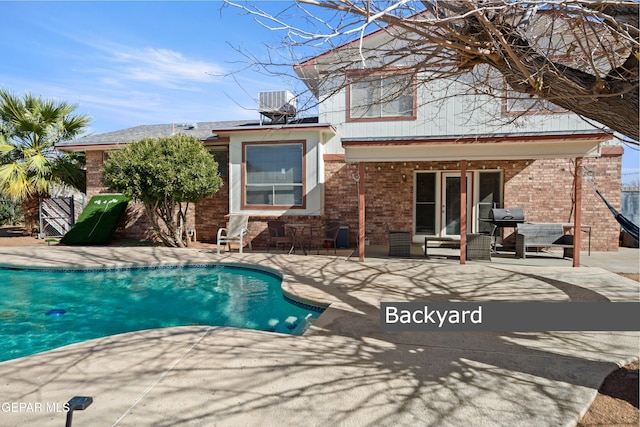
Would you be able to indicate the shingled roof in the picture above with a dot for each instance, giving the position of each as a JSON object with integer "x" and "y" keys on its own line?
{"x": 201, "y": 130}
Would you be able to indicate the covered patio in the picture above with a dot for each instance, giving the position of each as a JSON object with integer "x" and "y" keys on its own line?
{"x": 463, "y": 150}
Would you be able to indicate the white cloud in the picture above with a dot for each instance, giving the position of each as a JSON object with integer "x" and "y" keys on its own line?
{"x": 162, "y": 66}
{"x": 122, "y": 78}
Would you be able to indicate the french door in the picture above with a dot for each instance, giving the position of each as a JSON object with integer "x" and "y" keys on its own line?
{"x": 451, "y": 204}
{"x": 437, "y": 201}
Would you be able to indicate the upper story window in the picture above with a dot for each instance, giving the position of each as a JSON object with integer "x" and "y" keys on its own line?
{"x": 274, "y": 174}
{"x": 381, "y": 97}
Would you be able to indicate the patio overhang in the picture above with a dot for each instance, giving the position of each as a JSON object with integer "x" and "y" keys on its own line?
{"x": 494, "y": 147}
{"x": 466, "y": 148}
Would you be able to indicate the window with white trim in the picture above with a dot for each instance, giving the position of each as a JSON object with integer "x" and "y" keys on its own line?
{"x": 274, "y": 174}
{"x": 381, "y": 96}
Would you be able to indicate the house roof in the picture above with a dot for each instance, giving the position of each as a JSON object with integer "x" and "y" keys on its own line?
{"x": 201, "y": 130}
{"x": 300, "y": 125}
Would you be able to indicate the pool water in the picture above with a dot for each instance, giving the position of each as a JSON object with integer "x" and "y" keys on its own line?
{"x": 99, "y": 303}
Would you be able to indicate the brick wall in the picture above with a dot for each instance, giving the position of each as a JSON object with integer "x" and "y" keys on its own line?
{"x": 341, "y": 196}
{"x": 134, "y": 224}
{"x": 94, "y": 173}
{"x": 258, "y": 227}
{"x": 211, "y": 213}
{"x": 389, "y": 197}
{"x": 542, "y": 188}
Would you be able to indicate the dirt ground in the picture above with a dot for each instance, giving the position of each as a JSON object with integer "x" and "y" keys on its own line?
{"x": 616, "y": 404}
{"x": 15, "y": 236}
{"x": 617, "y": 401}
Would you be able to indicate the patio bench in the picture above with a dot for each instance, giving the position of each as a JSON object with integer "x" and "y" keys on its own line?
{"x": 542, "y": 236}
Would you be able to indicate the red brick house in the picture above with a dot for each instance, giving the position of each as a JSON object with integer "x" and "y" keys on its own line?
{"x": 408, "y": 154}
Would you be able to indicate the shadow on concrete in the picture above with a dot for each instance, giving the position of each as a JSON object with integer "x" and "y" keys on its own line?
{"x": 345, "y": 370}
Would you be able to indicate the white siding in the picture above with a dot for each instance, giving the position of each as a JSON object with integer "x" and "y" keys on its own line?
{"x": 464, "y": 115}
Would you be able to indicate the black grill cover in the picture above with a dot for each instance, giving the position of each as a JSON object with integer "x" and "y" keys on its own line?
{"x": 506, "y": 217}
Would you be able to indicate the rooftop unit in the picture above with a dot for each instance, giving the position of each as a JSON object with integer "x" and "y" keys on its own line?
{"x": 278, "y": 105}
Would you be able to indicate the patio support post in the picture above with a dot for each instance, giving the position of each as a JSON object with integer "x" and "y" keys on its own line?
{"x": 577, "y": 212}
{"x": 361, "y": 227}
{"x": 463, "y": 211}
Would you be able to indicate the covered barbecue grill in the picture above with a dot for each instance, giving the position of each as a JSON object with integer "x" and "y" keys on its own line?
{"x": 501, "y": 218}
{"x": 506, "y": 217}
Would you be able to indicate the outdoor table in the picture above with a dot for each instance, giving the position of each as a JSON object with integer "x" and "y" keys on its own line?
{"x": 297, "y": 233}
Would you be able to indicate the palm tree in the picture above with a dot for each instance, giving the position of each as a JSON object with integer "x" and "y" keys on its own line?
{"x": 30, "y": 127}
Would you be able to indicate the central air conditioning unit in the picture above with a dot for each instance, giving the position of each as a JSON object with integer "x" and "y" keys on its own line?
{"x": 277, "y": 105}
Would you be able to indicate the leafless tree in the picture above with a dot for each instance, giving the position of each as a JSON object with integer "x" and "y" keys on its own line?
{"x": 579, "y": 55}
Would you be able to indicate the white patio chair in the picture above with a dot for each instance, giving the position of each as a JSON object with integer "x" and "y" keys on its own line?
{"x": 235, "y": 231}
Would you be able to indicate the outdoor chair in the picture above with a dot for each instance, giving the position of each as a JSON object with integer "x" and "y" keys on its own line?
{"x": 277, "y": 236}
{"x": 399, "y": 242}
{"x": 478, "y": 247}
{"x": 330, "y": 237}
{"x": 235, "y": 232}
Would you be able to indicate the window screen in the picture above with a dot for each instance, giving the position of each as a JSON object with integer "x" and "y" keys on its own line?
{"x": 274, "y": 174}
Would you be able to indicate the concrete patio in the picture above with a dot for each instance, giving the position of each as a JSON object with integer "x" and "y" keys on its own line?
{"x": 344, "y": 370}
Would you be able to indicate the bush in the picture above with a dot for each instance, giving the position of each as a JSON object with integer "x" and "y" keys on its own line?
{"x": 10, "y": 212}
{"x": 166, "y": 175}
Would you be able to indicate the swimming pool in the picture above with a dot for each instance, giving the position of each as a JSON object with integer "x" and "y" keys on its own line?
{"x": 44, "y": 309}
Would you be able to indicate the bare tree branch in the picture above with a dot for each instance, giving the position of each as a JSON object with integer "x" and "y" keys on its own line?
{"x": 580, "y": 55}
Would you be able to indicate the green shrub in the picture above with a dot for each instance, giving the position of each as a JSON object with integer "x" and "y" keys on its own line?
{"x": 166, "y": 175}
{"x": 10, "y": 212}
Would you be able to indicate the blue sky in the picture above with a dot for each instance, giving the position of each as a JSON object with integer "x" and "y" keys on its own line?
{"x": 132, "y": 63}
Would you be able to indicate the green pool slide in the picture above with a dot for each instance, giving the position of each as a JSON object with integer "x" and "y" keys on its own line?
{"x": 98, "y": 220}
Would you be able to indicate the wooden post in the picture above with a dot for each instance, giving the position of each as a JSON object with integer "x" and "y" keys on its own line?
{"x": 361, "y": 217}
{"x": 577, "y": 213}
{"x": 463, "y": 211}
